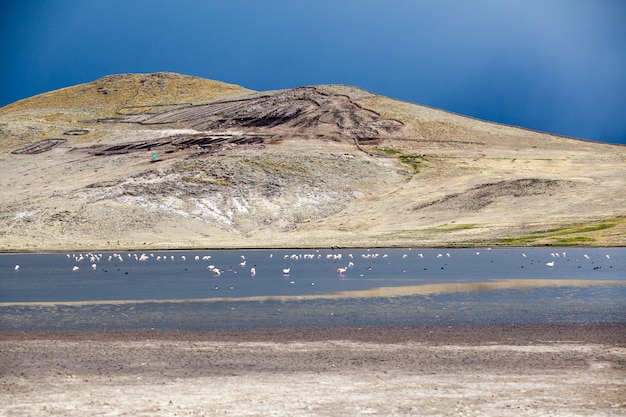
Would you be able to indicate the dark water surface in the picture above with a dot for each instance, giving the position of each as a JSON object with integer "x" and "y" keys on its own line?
{"x": 379, "y": 287}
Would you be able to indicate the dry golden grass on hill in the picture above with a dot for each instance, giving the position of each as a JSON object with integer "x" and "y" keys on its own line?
{"x": 313, "y": 166}
{"x": 120, "y": 94}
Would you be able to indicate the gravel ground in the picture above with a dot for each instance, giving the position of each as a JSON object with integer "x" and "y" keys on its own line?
{"x": 557, "y": 370}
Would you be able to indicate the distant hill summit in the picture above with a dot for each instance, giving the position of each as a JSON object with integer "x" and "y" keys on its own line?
{"x": 124, "y": 93}
{"x": 170, "y": 161}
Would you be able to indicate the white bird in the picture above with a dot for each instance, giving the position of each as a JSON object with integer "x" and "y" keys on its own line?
{"x": 94, "y": 266}
{"x": 342, "y": 270}
{"x": 286, "y": 271}
{"x": 17, "y": 267}
{"x": 183, "y": 257}
{"x": 550, "y": 264}
{"x": 75, "y": 268}
{"x": 586, "y": 256}
{"x": 253, "y": 271}
{"x": 607, "y": 257}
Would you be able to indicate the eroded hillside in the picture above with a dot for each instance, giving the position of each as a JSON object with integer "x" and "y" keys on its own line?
{"x": 169, "y": 161}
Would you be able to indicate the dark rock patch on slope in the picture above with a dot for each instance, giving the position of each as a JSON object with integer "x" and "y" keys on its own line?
{"x": 300, "y": 112}
{"x": 40, "y": 146}
{"x": 479, "y": 197}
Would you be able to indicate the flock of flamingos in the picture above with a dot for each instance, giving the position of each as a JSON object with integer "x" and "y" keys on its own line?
{"x": 93, "y": 259}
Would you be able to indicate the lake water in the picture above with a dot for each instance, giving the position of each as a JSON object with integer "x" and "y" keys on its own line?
{"x": 182, "y": 290}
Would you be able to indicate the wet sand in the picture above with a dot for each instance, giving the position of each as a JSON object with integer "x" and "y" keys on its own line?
{"x": 562, "y": 370}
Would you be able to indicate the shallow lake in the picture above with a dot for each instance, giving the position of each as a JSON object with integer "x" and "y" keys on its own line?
{"x": 252, "y": 288}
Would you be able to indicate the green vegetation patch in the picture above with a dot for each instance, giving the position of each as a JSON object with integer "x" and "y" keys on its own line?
{"x": 582, "y": 234}
{"x": 411, "y": 159}
{"x": 455, "y": 227}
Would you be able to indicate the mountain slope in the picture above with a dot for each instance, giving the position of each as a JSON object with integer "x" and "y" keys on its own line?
{"x": 312, "y": 166}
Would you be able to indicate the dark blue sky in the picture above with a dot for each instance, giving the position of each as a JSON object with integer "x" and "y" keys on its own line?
{"x": 553, "y": 65}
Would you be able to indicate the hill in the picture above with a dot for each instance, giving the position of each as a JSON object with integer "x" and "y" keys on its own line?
{"x": 307, "y": 167}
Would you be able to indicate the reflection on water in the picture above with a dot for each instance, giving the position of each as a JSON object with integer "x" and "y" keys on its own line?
{"x": 381, "y": 287}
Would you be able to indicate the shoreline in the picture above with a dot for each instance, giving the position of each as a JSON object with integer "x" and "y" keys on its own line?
{"x": 332, "y": 247}
{"x": 602, "y": 333}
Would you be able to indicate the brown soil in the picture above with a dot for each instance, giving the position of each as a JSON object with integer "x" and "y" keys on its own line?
{"x": 554, "y": 370}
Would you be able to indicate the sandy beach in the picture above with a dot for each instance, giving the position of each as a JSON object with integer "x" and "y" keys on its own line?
{"x": 562, "y": 370}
